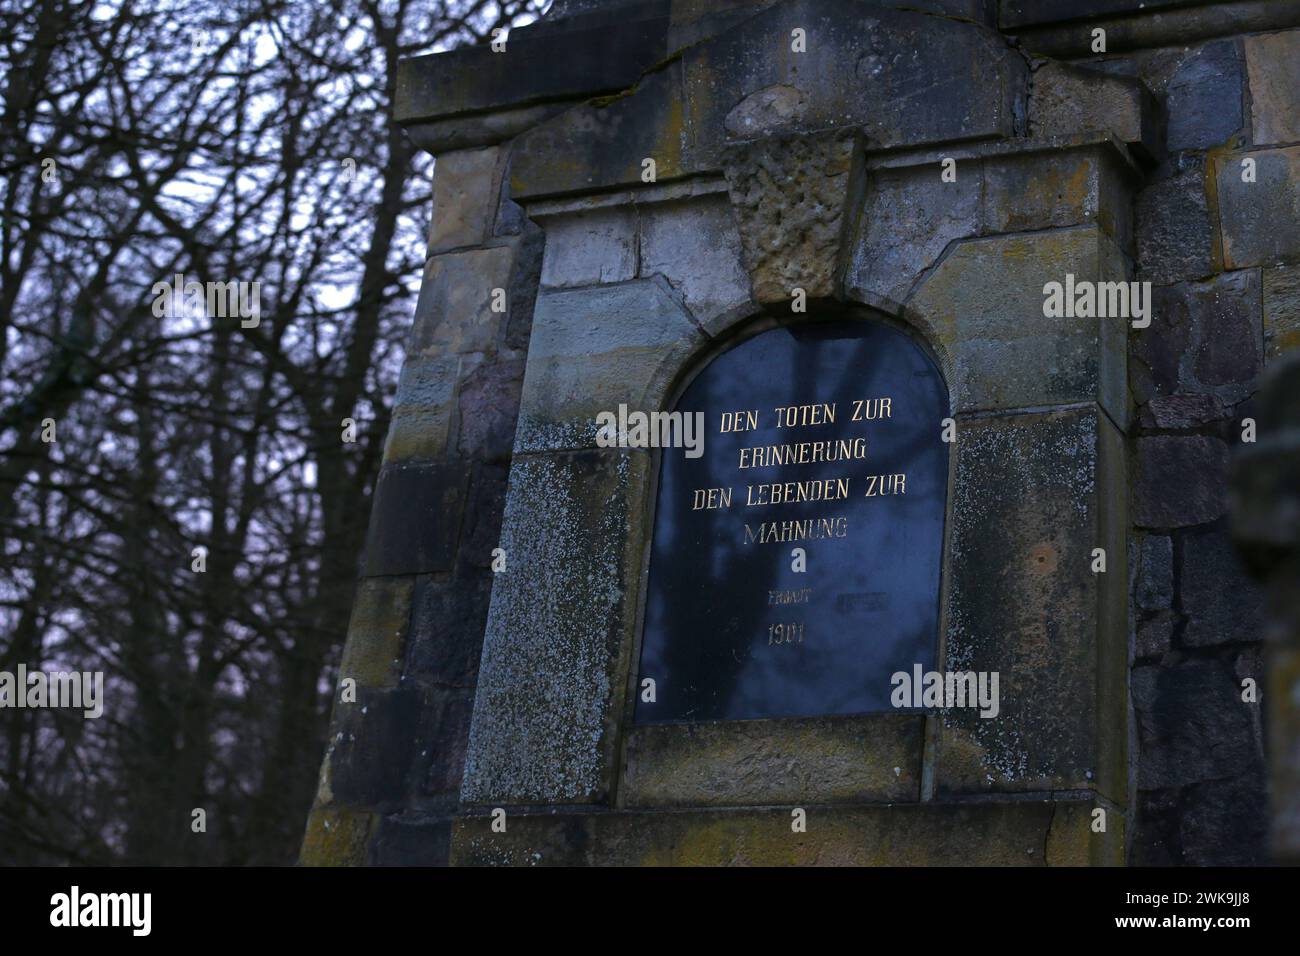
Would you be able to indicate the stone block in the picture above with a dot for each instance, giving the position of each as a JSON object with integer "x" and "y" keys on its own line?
{"x": 983, "y": 307}
{"x": 910, "y": 218}
{"x": 415, "y": 519}
{"x": 766, "y": 762}
{"x": 1281, "y": 311}
{"x": 1174, "y": 234}
{"x": 1034, "y": 495}
{"x": 446, "y": 635}
{"x": 551, "y": 678}
{"x": 1179, "y": 480}
{"x": 413, "y": 841}
{"x": 454, "y": 312}
{"x": 1155, "y": 635}
{"x": 1155, "y": 585}
{"x": 466, "y": 191}
{"x": 1222, "y": 603}
{"x": 1068, "y": 100}
{"x": 1052, "y": 190}
{"x": 795, "y": 200}
{"x": 1203, "y": 98}
{"x": 695, "y": 245}
{"x": 1021, "y": 833}
{"x": 445, "y": 733}
{"x": 423, "y": 409}
{"x": 1192, "y": 724}
{"x": 489, "y": 409}
{"x": 1225, "y": 822}
{"x": 1205, "y": 339}
{"x": 377, "y": 632}
{"x": 337, "y": 837}
{"x": 594, "y": 349}
{"x": 371, "y": 749}
{"x": 1273, "y": 61}
{"x": 590, "y": 247}
{"x": 1259, "y": 221}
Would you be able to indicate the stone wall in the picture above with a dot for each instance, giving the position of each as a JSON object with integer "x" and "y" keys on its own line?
{"x": 1111, "y": 165}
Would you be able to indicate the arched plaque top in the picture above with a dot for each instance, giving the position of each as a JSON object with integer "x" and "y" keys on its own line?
{"x": 795, "y": 563}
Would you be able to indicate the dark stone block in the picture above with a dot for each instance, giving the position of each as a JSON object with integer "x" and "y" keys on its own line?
{"x": 404, "y": 841}
{"x": 1180, "y": 481}
{"x": 1204, "y": 98}
{"x": 567, "y": 64}
{"x": 1192, "y": 725}
{"x": 372, "y": 748}
{"x": 1221, "y": 601}
{"x": 416, "y": 521}
{"x": 1157, "y": 835}
{"x": 1155, "y": 636}
{"x": 1174, "y": 234}
{"x": 1225, "y": 822}
{"x": 489, "y": 410}
{"x": 1183, "y": 411}
{"x": 446, "y": 637}
{"x": 1020, "y": 13}
{"x": 445, "y": 742}
{"x": 482, "y": 534}
{"x": 1155, "y": 589}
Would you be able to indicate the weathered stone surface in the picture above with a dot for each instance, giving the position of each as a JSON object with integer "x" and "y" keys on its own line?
{"x": 482, "y": 529}
{"x": 1273, "y": 61}
{"x": 1220, "y": 600}
{"x": 466, "y": 190}
{"x": 595, "y": 348}
{"x": 589, "y": 247}
{"x": 795, "y": 200}
{"x": 1205, "y": 338}
{"x": 371, "y": 749}
{"x": 1174, "y": 234}
{"x": 1156, "y": 840}
{"x": 983, "y": 307}
{"x": 1023, "y": 833}
{"x": 1192, "y": 724}
{"x": 444, "y": 736}
{"x": 1047, "y": 190}
{"x": 1225, "y": 822}
{"x": 1281, "y": 310}
{"x": 1068, "y": 100}
{"x": 1260, "y": 221}
{"x": 416, "y": 518}
{"x": 1155, "y": 587}
{"x": 337, "y": 837}
{"x": 550, "y": 684}
{"x": 970, "y": 85}
{"x": 1019, "y": 13}
{"x": 695, "y": 245}
{"x": 773, "y": 109}
{"x": 1034, "y": 495}
{"x": 454, "y": 312}
{"x": 551, "y": 66}
{"x": 1183, "y": 411}
{"x": 489, "y": 408}
{"x": 1179, "y": 481}
{"x": 1155, "y": 635}
{"x": 766, "y": 762}
{"x": 423, "y": 409}
{"x": 412, "y": 841}
{"x": 1204, "y": 98}
{"x": 377, "y": 631}
{"x": 909, "y": 220}
{"x": 447, "y": 621}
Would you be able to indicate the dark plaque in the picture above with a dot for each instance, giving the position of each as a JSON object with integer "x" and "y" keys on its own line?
{"x": 828, "y": 438}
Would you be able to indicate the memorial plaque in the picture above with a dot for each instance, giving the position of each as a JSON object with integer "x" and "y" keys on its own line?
{"x": 826, "y": 437}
